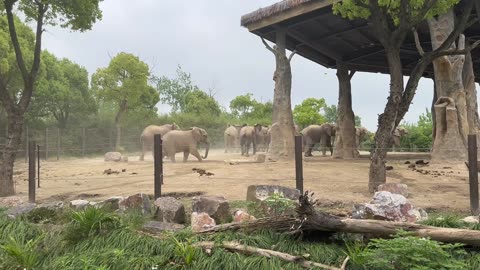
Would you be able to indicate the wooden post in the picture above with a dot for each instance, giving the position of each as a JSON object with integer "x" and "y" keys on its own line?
{"x": 46, "y": 143}
{"x": 26, "y": 143}
{"x": 158, "y": 165}
{"x": 58, "y": 143}
{"x": 473, "y": 174}
{"x": 38, "y": 165}
{"x": 83, "y": 142}
{"x": 31, "y": 172}
{"x": 298, "y": 163}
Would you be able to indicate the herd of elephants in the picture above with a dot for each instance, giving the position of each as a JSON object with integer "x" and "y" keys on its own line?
{"x": 240, "y": 138}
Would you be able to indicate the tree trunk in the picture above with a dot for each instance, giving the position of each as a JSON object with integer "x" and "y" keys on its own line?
{"x": 452, "y": 124}
{"x": 15, "y": 128}
{"x": 345, "y": 141}
{"x": 432, "y": 111}
{"x": 282, "y": 132}
{"x": 468, "y": 78}
{"x": 386, "y": 121}
{"x": 118, "y": 127}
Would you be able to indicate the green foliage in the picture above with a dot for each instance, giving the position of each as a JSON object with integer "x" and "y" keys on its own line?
{"x": 277, "y": 204}
{"x": 90, "y": 222}
{"x": 21, "y": 253}
{"x": 408, "y": 252}
{"x": 185, "y": 250}
{"x": 331, "y": 115}
{"x": 309, "y": 112}
{"x": 199, "y": 102}
{"x": 248, "y": 110}
{"x": 419, "y": 137}
{"x": 173, "y": 91}
{"x": 444, "y": 221}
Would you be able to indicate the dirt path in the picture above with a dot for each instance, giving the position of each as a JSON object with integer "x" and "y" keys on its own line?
{"x": 335, "y": 182}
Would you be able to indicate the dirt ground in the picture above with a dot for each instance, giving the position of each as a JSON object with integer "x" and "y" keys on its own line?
{"x": 337, "y": 183}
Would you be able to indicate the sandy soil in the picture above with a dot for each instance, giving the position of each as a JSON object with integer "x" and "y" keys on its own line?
{"x": 337, "y": 183}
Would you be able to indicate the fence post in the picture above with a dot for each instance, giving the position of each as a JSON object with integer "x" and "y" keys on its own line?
{"x": 158, "y": 165}
{"x": 83, "y": 142}
{"x": 473, "y": 174}
{"x": 58, "y": 143}
{"x": 31, "y": 172}
{"x": 298, "y": 163}
{"x": 46, "y": 143}
{"x": 26, "y": 143}
{"x": 38, "y": 165}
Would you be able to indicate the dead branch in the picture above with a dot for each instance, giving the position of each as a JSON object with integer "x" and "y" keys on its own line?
{"x": 237, "y": 247}
{"x": 291, "y": 55}
{"x": 267, "y": 46}
{"x": 350, "y": 76}
{"x": 281, "y": 224}
{"x": 417, "y": 42}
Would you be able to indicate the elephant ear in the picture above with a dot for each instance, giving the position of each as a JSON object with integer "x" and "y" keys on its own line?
{"x": 197, "y": 134}
{"x": 258, "y": 128}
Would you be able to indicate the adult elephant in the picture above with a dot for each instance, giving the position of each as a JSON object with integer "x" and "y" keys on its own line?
{"x": 263, "y": 137}
{"x": 231, "y": 136}
{"x": 322, "y": 134}
{"x": 248, "y": 137}
{"x": 146, "y": 138}
{"x": 360, "y": 135}
{"x": 398, "y": 133}
{"x": 186, "y": 141}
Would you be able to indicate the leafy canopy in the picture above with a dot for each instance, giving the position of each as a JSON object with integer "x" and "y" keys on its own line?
{"x": 331, "y": 115}
{"x": 247, "y": 109}
{"x": 199, "y": 102}
{"x": 310, "y": 111}
{"x": 174, "y": 91}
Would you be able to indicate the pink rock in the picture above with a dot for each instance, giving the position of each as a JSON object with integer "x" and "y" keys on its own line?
{"x": 395, "y": 188}
{"x": 12, "y": 201}
{"x": 139, "y": 202}
{"x": 201, "y": 222}
{"x": 242, "y": 216}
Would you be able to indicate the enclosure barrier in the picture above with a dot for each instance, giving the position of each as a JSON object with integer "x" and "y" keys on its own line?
{"x": 473, "y": 174}
{"x": 158, "y": 163}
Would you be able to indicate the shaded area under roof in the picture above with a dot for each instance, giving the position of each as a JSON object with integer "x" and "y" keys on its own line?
{"x": 320, "y": 36}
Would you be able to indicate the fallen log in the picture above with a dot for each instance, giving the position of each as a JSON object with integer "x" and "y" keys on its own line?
{"x": 237, "y": 247}
{"x": 310, "y": 219}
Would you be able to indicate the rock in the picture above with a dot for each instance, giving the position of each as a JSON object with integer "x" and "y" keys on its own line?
{"x": 113, "y": 156}
{"x": 124, "y": 159}
{"x": 20, "y": 210}
{"x": 242, "y": 216}
{"x": 79, "y": 204}
{"x": 55, "y": 206}
{"x": 388, "y": 168}
{"x": 201, "y": 222}
{"x": 260, "y": 158}
{"x": 471, "y": 220}
{"x": 169, "y": 209}
{"x": 388, "y": 206}
{"x": 112, "y": 203}
{"x": 158, "y": 227}
{"x": 258, "y": 193}
{"x": 395, "y": 188}
{"x": 407, "y": 162}
{"x": 139, "y": 202}
{"x": 11, "y": 201}
{"x": 215, "y": 206}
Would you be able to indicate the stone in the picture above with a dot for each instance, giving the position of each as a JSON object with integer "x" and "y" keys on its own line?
{"x": 125, "y": 158}
{"x": 79, "y": 204}
{"x": 169, "y": 209}
{"x": 55, "y": 206}
{"x": 471, "y": 220}
{"x": 139, "y": 202}
{"x": 395, "y": 188}
{"x": 260, "y": 158}
{"x": 201, "y": 222}
{"x": 21, "y": 209}
{"x": 11, "y": 201}
{"x": 112, "y": 203}
{"x": 242, "y": 216}
{"x": 388, "y": 206}
{"x": 215, "y": 206}
{"x": 158, "y": 227}
{"x": 258, "y": 193}
{"x": 113, "y": 156}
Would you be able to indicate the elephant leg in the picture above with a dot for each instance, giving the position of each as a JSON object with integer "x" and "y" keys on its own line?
{"x": 195, "y": 153}
{"x": 172, "y": 157}
{"x": 254, "y": 147}
{"x": 185, "y": 155}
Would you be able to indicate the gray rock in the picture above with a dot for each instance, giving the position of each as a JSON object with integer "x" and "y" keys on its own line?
{"x": 158, "y": 227}
{"x": 113, "y": 156}
{"x": 20, "y": 210}
{"x": 471, "y": 220}
{"x": 201, "y": 222}
{"x": 258, "y": 193}
{"x": 112, "y": 203}
{"x": 169, "y": 209}
{"x": 11, "y": 201}
{"x": 395, "y": 188}
{"x": 139, "y": 202}
{"x": 79, "y": 204}
{"x": 215, "y": 206}
{"x": 55, "y": 206}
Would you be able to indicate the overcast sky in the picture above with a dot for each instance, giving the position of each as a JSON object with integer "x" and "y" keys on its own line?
{"x": 206, "y": 39}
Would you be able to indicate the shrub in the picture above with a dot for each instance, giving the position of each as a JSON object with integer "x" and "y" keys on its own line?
{"x": 90, "y": 222}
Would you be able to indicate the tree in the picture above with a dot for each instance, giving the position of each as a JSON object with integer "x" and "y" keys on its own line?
{"x": 331, "y": 114}
{"x": 20, "y": 59}
{"x": 125, "y": 82}
{"x": 174, "y": 91}
{"x": 419, "y": 134}
{"x": 391, "y": 22}
{"x": 200, "y": 103}
{"x": 62, "y": 90}
{"x": 243, "y": 105}
{"x": 247, "y": 109}
{"x": 309, "y": 112}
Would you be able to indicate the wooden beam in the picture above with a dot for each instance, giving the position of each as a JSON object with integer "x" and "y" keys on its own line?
{"x": 362, "y": 53}
{"x": 336, "y": 33}
{"x": 317, "y": 47}
{"x": 288, "y": 14}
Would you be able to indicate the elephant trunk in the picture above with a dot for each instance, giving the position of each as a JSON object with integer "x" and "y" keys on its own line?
{"x": 207, "y": 147}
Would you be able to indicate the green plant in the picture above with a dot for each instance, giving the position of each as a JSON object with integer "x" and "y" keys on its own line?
{"x": 185, "y": 250}
{"x": 133, "y": 219}
{"x": 19, "y": 253}
{"x": 445, "y": 221}
{"x": 89, "y": 222}
{"x": 43, "y": 215}
{"x": 355, "y": 251}
{"x": 277, "y": 204}
{"x": 408, "y": 252}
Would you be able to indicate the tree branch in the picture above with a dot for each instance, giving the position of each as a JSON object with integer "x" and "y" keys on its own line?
{"x": 458, "y": 29}
{"x": 291, "y": 55}
{"x": 352, "y": 72}
{"x": 417, "y": 42}
{"x": 13, "y": 35}
{"x": 267, "y": 46}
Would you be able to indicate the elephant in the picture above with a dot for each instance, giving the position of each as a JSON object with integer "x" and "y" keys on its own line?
{"x": 185, "y": 141}
{"x": 146, "y": 138}
{"x": 248, "y": 136}
{"x": 232, "y": 138}
{"x": 322, "y": 134}
{"x": 263, "y": 137}
{"x": 297, "y": 129}
{"x": 398, "y": 133}
{"x": 360, "y": 133}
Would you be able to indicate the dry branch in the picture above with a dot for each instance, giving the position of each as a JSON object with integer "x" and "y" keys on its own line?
{"x": 417, "y": 42}
{"x": 237, "y": 247}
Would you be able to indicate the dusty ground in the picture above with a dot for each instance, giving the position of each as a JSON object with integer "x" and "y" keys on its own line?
{"x": 337, "y": 183}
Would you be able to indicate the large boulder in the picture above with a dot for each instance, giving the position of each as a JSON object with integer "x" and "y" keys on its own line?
{"x": 54, "y": 206}
{"x": 242, "y": 216}
{"x": 169, "y": 209}
{"x": 79, "y": 204}
{"x": 201, "y": 222}
{"x": 395, "y": 188}
{"x": 112, "y": 203}
{"x": 115, "y": 156}
{"x": 388, "y": 206}
{"x": 215, "y": 206}
{"x": 139, "y": 202}
{"x": 21, "y": 209}
{"x": 258, "y": 193}
{"x": 11, "y": 201}
{"x": 158, "y": 227}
